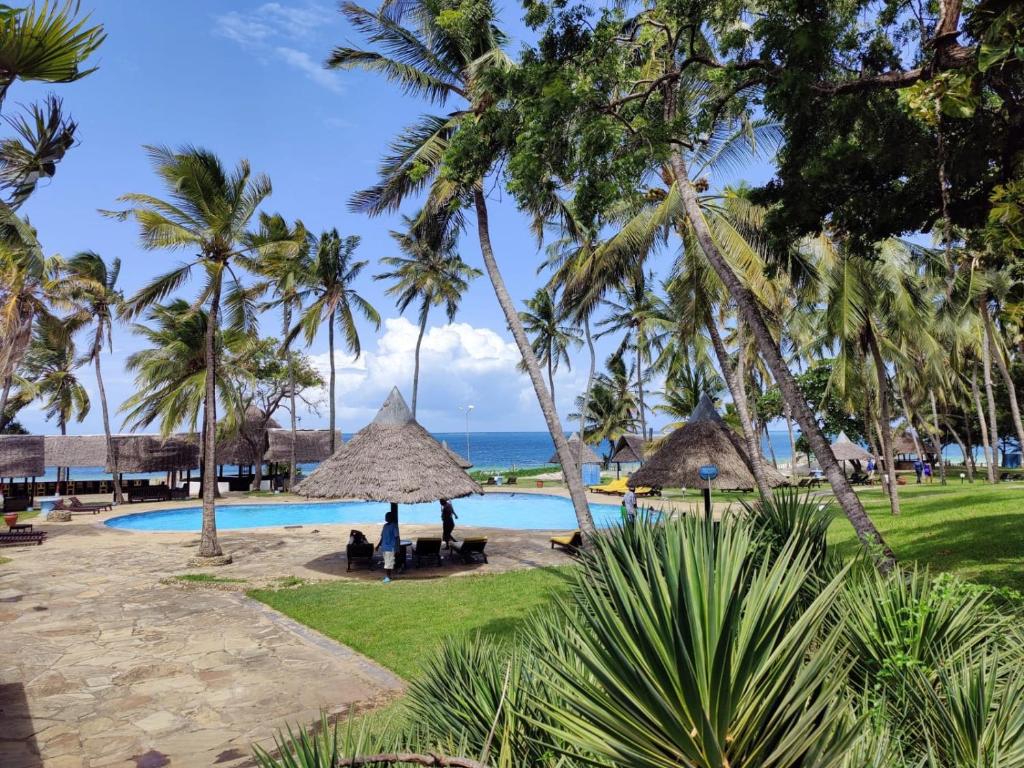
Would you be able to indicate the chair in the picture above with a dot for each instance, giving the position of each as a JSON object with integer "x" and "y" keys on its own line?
{"x": 491, "y": 481}
{"x": 16, "y": 504}
{"x": 427, "y": 549}
{"x": 570, "y": 542}
{"x": 149, "y": 493}
{"x": 21, "y": 538}
{"x": 361, "y": 552}
{"x": 75, "y": 505}
{"x": 511, "y": 480}
{"x": 471, "y": 550}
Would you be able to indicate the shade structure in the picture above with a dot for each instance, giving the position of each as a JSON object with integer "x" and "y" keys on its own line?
{"x": 847, "y": 450}
{"x": 75, "y": 450}
{"x": 149, "y": 453}
{"x": 630, "y": 449}
{"x": 905, "y": 444}
{"x": 589, "y": 457}
{"x": 310, "y": 445}
{"x": 457, "y": 458}
{"x": 22, "y": 456}
{"x": 248, "y": 445}
{"x": 391, "y": 459}
{"x": 705, "y": 439}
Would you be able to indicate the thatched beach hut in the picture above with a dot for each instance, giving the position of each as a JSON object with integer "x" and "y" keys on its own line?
{"x": 150, "y": 453}
{"x": 590, "y": 467}
{"x": 705, "y": 439}
{"x": 391, "y": 459}
{"x": 247, "y": 446}
{"x": 310, "y": 445}
{"x": 630, "y": 450}
{"x": 21, "y": 456}
{"x": 75, "y": 451}
{"x": 847, "y": 450}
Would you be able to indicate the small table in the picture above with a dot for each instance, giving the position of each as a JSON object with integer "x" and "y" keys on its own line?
{"x": 406, "y": 545}
{"x": 19, "y": 527}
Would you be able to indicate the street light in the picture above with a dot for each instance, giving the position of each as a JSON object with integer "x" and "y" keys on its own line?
{"x": 468, "y": 409}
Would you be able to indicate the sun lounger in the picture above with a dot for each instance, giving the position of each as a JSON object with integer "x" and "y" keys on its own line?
{"x": 471, "y": 550}
{"x": 75, "y": 505}
{"x": 570, "y": 542}
{"x": 149, "y": 493}
{"x": 427, "y": 549}
{"x": 619, "y": 487}
{"x": 511, "y": 480}
{"x": 359, "y": 553}
{"x": 22, "y": 538}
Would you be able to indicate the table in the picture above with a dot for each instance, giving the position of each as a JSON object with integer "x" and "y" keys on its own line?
{"x": 21, "y": 527}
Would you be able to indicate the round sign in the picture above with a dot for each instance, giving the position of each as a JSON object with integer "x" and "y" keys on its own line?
{"x": 708, "y": 472}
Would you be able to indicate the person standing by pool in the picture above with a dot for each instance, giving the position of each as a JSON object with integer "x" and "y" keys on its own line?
{"x": 448, "y": 518}
{"x": 389, "y": 538}
{"x": 629, "y": 502}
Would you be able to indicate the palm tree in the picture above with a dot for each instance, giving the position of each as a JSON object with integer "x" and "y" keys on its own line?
{"x": 430, "y": 272}
{"x": 48, "y": 373}
{"x": 91, "y": 288}
{"x": 552, "y": 337}
{"x": 206, "y": 213}
{"x": 609, "y": 410}
{"x": 433, "y": 58}
{"x": 329, "y": 297}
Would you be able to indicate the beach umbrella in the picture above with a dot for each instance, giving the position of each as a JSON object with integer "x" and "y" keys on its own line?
{"x": 589, "y": 457}
{"x": 391, "y": 459}
{"x": 464, "y": 463}
{"x": 704, "y": 440}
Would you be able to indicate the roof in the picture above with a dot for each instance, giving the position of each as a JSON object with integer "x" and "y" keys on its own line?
{"x": 457, "y": 458}
{"x": 150, "y": 453}
{"x": 630, "y": 449}
{"x": 75, "y": 450}
{"x": 847, "y": 450}
{"x": 248, "y": 445}
{"x": 310, "y": 445}
{"x": 575, "y": 445}
{"x": 705, "y": 439}
{"x": 22, "y": 456}
{"x": 905, "y": 444}
{"x": 391, "y": 459}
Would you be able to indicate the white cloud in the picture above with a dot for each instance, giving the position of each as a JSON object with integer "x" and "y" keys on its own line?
{"x": 315, "y": 71}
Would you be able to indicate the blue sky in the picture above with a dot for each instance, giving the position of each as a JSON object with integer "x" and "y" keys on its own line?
{"x": 245, "y": 79}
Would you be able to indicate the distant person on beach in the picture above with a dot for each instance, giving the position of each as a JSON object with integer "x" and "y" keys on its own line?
{"x": 389, "y": 538}
{"x": 448, "y": 518}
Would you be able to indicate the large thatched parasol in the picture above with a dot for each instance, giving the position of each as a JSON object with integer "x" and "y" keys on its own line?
{"x": 391, "y": 459}
{"x": 589, "y": 457}
{"x": 847, "y": 450}
{"x": 705, "y": 439}
{"x": 456, "y": 457}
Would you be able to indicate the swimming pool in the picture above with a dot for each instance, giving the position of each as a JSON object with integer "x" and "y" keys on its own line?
{"x": 493, "y": 510}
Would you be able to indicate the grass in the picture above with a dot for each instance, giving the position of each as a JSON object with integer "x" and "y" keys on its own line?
{"x": 4, "y": 560}
{"x": 206, "y": 578}
{"x": 973, "y": 531}
{"x": 400, "y": 624}
{"x": 481, "y": 475}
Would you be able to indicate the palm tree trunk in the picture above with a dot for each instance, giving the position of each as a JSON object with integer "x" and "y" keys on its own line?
{"x": 993, "y": 428}
{"x": 964, "y": 451}
{"x": 739, "y": 396}
{"x": 885, "y": 422}
{"x": 330, "y": 349}
{"x": 747, "y": 305}
{"x": 416, "y": 366}
{"x": 640, "y": 385}
{"x": 5, "y": 393}
{"x": 62, "y": 471}
{"x": 1011, "y": 390}
{"x": 905, "y": 402}
{"x": 792, "y": 442}
{"x": 937, "y": 436}
{"x": 551, "y": 378}
{"x": 985, "y": 444}
{"x": 208, "y": 545}
{"x": 573, "y": 478}
{"x": 118, "y": 495}
{"x": 590, "y": 384}
{"x": 287, "y": 316}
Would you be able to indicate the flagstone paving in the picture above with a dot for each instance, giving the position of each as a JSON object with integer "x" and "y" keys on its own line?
{"x": 107, "y": 660}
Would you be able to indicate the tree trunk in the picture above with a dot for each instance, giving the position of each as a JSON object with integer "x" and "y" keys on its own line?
{"x": 287, "y": 316}
{"x": 416, "y": 366}
{"x": 640, "y": 385}
{"x": 771, "y": 448}
{"x": 118, "y": 494}
{"x": 990, "y": 397}
{"x": 257, "y": 474}
{"x": 964, "y": 450}
{"x": 573, "y": 478}
{"x": 985, "y": 444}
{"x": 734, "y": 381}
{"x": 330, "y": 345}
{"x": 5, "y": 392}
{"x": 937, "y": 435}
{"x": 208, "y": 545}
{"x": 792, "y": 442}
{"x": 62, "y": 472}
{"x": 551, "y": 378}
{"x": 590, "y": 384}
{"x": 1011, "y": 390}
{"x": 885, "y": 423}
{"x": 905, "y": 402}
{"x": 746, "y": 304}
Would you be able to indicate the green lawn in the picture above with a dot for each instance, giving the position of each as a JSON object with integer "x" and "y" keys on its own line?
{"x": 975, "y": 531}
{"x": 402, "y": 623}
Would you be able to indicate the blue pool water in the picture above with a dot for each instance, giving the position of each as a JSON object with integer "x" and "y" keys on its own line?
{"x": 494, "y": 510}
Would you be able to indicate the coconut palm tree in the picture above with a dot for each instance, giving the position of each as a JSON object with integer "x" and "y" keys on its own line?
{"x": 429, "y": 272}
{"x": 91, "y": 288}
{"x": 552, "y": 336}
{"x": 206, "y": 214}
{"x": 609, "y": 410}
{"x": 417, "y": 46}
{"x": 331, "y": 299}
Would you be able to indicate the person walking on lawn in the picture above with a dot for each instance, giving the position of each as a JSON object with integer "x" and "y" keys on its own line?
{"x": 389, "y": 542}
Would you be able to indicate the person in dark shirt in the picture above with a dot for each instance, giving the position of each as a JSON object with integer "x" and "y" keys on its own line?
{"x": 448, "y": 518}
{"x": 389, "y": 539}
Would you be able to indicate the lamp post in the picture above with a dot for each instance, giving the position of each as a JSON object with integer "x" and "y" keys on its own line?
{"x": 468, "y": 409}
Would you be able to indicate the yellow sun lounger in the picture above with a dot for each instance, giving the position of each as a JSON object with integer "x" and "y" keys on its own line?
{"x": 570, "y": 541}
{"x": 619, "y": 486}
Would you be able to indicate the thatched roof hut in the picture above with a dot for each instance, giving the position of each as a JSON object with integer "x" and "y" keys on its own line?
{"x": 456, "y": 457}
{"x": 589, "y": 457}
{"x": 391, "y": 459}
{"x": 310, "y": 445}
{"x": 150, "y": 453}
{"x": 22, "y": 456}
{"x": 847, "y": 450}
{"x": 75, "y": 450}
{"x": 705, "y": 439}
{"x": 249, "y": 444}
{"x": 630, "y": 449}
{"x": 904, "y": 444}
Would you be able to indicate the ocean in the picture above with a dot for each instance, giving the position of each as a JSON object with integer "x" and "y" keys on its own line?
{"x": 487, "y": 450}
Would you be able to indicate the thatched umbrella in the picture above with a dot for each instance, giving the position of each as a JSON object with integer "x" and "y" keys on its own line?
{"x": 705, "y": 439}
{"x": 457, "y": 458}
{"x": 391, "y": 459}
{"x": 589, "y": 457}
{"x": 846, "y": 450}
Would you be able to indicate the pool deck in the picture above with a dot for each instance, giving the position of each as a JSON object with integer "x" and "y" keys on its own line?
{"x": 109, "y": 661}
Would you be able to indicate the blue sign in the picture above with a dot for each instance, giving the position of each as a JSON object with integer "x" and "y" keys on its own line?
{"x": 708, "y": 472}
